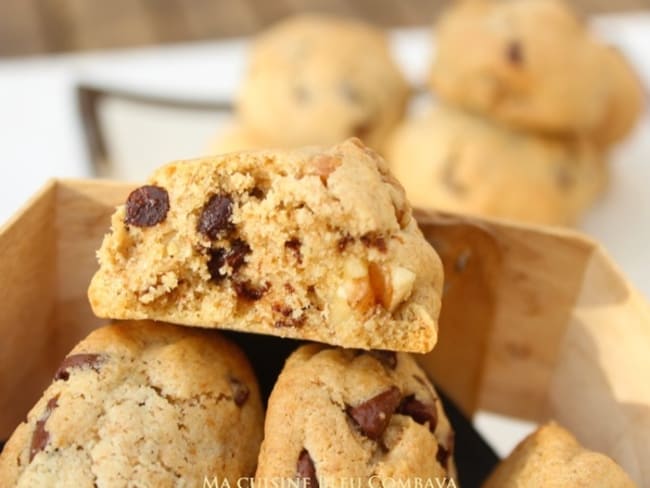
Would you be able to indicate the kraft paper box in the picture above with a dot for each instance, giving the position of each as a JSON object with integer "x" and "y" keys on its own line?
{"x": 536, "y": 323}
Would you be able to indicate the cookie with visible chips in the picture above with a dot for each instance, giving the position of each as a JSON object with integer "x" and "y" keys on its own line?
{"x": 310, "y": 243}
{"x": 318, "y": 79}
{"x": 137, "y": 401}
{"x": 341, "y": 416}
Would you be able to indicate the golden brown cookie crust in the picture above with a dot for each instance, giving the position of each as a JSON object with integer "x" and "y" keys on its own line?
{"x": 155, "y": 403}
{"x": 316, "y": 244}
{"x": 351, "y": 415}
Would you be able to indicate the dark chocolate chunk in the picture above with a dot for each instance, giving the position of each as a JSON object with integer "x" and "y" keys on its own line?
{"x": 41, "y": 437}
{"x": 77, "y": 361}
{"x": 293, "y": 245}
{"x": 371, "y": 239}
{"x": 445, "y": 451}
{"x": 147, "y": 206}
{"x": 306, "y": 470}
{"x": 295, "y": 322}
{"x": 515, "y": 53}
{"x": 235, "y": 256}
{"x": 215, "y": 262}
{"x": 240, "y": 391}
{"x": 362, "y": 130}
{"x": 373, "y": 415}
{"x": 344, "y": 241}
{"x": 257, "y": 192}
{"x": 387, "y": 358}
{"x": 246, "y": 290}
{"x": 418, "y": 411}
{"x": 215, "y": 216}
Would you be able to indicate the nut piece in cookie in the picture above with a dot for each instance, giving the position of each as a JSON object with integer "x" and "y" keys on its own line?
{"x": 350, "y": 414}
{"x": 136, "y": 402}
{"x": 330, "y": 225}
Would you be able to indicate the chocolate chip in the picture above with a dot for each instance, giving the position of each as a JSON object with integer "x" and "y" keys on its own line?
{"x": 373, "y": 415}
{"x": 515, "y": 53}
{"x": 295, "y": 322}
{"x": 257, "y": 192}
{"x": 240, "y": 391}
{"x": 246, "y": 290}
{"x": 41, "y": 437}
{"x": 564, "y": 178}
{"x": 387, "y": 358}
{"x": 418, "y": 411}
{"x": 216, "y": 261}
{"x": 235, "y": 256}
{"x": 450, "y": 180}
{"x": 215, "y": 216}
{"x": 306, "y": 470}
{"x": 445, "y": 451}
{"x": 77, "y": 361}
{"x": 362, "y": 130}
{"x": 350, "y": 93}
{"x": 301, "y": 94}
{"x": 344, "y": 241}
{"x": 294, "y": 244}
{"x": 372, "y": 239}
{"x": 147, "y": 206}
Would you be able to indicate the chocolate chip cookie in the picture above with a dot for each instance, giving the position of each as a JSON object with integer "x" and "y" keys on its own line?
{"x": 527, "y": 63}
{"x": 342, "y": 415}
{"x": 312, "y": 243}
{"x": 452, "y": 160}
{"x": 316, "y": 79}
{"x": 551, "y": 457}
{"x": 137, "y": 401}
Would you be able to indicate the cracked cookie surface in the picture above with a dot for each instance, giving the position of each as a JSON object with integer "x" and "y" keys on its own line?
{"x": 313, "y": 243}
{"x": 451, "y": 160}
{"x": 551, "y": 457}
{"x": 342, "y": 416}
{"x": 137, "y": 401}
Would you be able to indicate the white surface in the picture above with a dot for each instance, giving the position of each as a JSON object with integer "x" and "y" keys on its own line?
{"x": 41, "y": 137}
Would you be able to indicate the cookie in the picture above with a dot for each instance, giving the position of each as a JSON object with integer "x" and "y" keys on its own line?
{"x": 342, "y": 417}
{"x": 235, "y": 137}
{"x": 311, "y": 243}
{"x": 551, "y": 457}
{"x": 140, "y": 402}
{"x": 626, "y": 98}
{"x": 451, "y": 160}
{"x": 315, "y": 79}
{"x": 532, "y": 65}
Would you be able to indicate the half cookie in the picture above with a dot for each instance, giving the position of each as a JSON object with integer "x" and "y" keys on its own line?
{"x": 311, "y": 243}
{"x": 341, "y": 417}
{"x": 153, "y": 403}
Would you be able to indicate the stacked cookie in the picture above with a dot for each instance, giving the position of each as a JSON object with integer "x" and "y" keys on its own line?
{"x": 313, "y": 244}
{"x": 531, "y": 102}
{"x": 315, "y": 79}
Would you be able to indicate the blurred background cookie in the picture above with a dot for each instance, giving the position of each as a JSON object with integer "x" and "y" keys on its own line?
{"x": 452, "y": 160}
{"x": 532, "y": 64}
{"x": 318, "y": 80}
